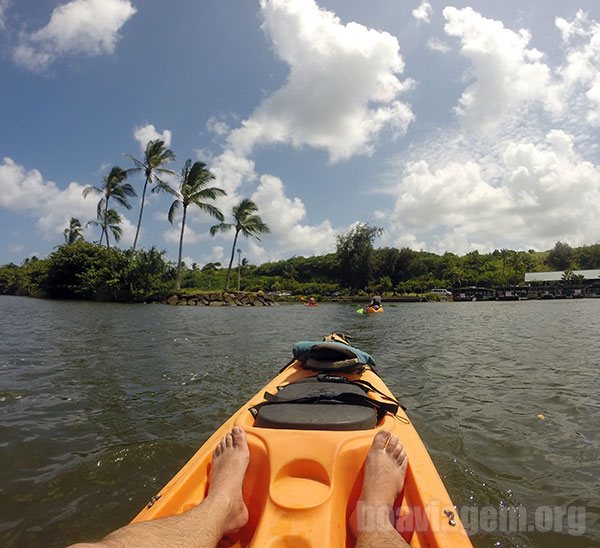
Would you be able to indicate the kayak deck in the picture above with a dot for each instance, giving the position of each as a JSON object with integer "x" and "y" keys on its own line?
{"x": 301, "y": 486}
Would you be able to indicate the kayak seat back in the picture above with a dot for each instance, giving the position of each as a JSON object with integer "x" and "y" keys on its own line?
{"x": 310, "y": 404}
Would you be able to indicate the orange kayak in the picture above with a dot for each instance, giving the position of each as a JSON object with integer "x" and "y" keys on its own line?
{"x": 303, "y": 481}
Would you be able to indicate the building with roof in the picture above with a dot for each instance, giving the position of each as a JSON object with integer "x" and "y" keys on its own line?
{"x": 563, "y": 284}
{"x": 559, "y": 276}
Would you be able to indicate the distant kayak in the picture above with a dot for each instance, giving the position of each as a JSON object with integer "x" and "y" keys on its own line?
{"x": 370, "y": 310}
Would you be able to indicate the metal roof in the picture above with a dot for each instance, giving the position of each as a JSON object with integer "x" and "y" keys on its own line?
{"x": 558, "y": 276}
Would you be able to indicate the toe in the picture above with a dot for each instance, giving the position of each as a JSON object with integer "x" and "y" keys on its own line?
{"x": 239, "y": 436}
{"x": 381, "y": 439}
{"x": 392, "y": 444}
{"x": 228, "y": 440}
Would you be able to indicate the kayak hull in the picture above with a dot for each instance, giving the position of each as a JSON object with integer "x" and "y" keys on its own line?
{"x": 302, "y": 485}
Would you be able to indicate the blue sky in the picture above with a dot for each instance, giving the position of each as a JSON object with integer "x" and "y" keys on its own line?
{"x": 453, "y": 126}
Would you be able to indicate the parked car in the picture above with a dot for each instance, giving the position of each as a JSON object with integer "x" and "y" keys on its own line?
{"x": 441, "y": 292}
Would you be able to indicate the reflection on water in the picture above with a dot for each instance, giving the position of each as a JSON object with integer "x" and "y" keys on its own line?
{"x": 100, "y": 404}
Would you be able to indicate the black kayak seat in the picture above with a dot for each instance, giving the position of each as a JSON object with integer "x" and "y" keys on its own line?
{"x": 315, "y": 416}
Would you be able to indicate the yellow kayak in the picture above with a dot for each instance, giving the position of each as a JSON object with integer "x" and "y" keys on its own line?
{"x": 306, "y": 465}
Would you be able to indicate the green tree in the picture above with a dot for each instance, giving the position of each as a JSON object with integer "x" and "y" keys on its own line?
{"x": 560, "y": 257}
{"x": 210, "y": 267}
{"x": 355, "y": 255}
{"x": 156, "y": 155}
{"x": 247, "y": 222}
{"x": 193, "y": 190}
{"x": 109, "y": 220}
{"x": 74, "y": 232}
{"x": 114, "y": 186}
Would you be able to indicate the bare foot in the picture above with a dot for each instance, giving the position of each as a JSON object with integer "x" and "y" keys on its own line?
{"x": 385, "y": 470}
{"x": 229, "y": 464}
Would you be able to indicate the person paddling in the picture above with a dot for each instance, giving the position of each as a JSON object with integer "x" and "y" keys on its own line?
{"x": 375, "y": 303}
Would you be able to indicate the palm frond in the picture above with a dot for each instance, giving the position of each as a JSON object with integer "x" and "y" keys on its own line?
{"x": 210, "y": 209}
{"x": 221, "y": 227}
{"x": 161, "y": 186}
{"x": 174, "y": 209}
{"x": 91, "y": 190}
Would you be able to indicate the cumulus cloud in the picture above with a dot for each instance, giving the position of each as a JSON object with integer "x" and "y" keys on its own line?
{"x": 541, "y": 191}
{"x": 423, "y": 12}
{"x": 504, "y": 73}
{"x": 87, "y": 27}
{"x": 284, "y": 217}
{"x": 341, "y": 93}
{"x": 26, "y": 191}
{"x": 342, "y": 89}
{"x": 144, "y": 134}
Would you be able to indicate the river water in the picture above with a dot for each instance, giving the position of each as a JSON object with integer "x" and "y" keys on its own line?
{"x": 100, "y": 404}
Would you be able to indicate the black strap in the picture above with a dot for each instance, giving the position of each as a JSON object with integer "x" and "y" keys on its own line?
{"x": 365, "y": 385}
{"x": 382, "y": 408}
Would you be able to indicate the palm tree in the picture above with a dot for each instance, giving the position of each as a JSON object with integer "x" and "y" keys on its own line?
{"x": 109, "y": 220}
{"x": 210, "y": 267}
{"x": 114, "y": 186}
{"x": 155, "y": 156}
{"x": 247, "y": 222}
{"x": 74, "y": 232}
{"x": 193, "y": 190}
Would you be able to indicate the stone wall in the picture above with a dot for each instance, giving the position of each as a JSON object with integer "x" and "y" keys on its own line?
{"x": 222, "y": 298}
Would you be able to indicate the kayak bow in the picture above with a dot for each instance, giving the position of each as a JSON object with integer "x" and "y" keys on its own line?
{"x": 303, "y": 479}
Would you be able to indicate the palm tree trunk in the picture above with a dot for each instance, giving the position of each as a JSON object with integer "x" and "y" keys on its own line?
{"x": 137, "y": 231}
{"x": 178, "y": 281}
{"x": 104, "y": 227}
{"x": 231, "y": 260}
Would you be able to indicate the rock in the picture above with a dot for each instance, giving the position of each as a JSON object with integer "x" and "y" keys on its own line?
{"x": 173, "y": 299}
{"x": 216, "y": 303}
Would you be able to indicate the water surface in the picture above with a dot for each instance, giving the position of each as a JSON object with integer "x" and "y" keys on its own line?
{"x": 100, "y": 404}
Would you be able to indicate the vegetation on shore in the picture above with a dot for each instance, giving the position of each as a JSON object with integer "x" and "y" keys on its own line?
{"x": 83, "y": 270}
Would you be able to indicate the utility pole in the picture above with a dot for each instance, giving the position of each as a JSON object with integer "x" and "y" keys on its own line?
{"x": 239, "y": 251}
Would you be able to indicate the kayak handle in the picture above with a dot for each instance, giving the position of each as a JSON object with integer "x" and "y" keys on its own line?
{"x": 451, "y": 520}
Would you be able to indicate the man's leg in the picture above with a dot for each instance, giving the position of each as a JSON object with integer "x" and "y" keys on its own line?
{"x": 204, "y": 526}
{"x": 385, "y": 470}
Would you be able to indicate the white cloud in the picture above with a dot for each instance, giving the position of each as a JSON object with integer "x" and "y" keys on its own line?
{"x": 3, "y": 7}
{"x": 284, "y": 217}
{"x": 504, "y": 73}
{"x": 144, "y": 134}
{"x": 88, "y": 27}
{"x": 342, "y": 90}
{"x": 540, "y": 191}
{"x": 217, "y": 126}
{"x": 423, "y": 12}
{"x": 580, "y": 73}
{"x": 232, "y": 170}
{"x": 26, "y": 191}
{"x": 435, "y": 44}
